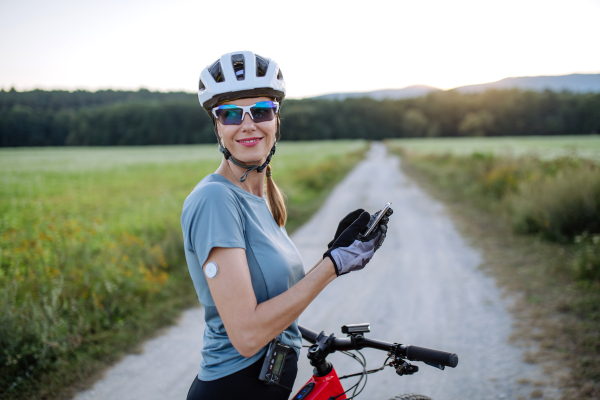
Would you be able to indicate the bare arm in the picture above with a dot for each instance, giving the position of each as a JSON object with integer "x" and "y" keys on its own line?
{"x": 251, "y": 326}
{"x": 314, "y": 266}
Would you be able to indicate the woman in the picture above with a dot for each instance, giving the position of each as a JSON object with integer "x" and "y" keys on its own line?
{"x": 248, "y": 274}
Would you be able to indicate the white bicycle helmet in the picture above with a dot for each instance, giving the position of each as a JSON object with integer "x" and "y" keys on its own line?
{"x": 237, "y": 75}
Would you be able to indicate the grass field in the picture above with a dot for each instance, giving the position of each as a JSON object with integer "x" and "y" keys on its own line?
{"x": 538, "y": 220}
{"x": 546, "y": 147}
{"x": 91, "y": 259}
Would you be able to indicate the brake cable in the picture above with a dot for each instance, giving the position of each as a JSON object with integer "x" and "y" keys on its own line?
{"x": 371, "y": 371}
{"x": 363, "y": 374}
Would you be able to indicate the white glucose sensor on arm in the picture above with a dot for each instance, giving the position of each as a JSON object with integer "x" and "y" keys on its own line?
{"x": 211, "y": 270}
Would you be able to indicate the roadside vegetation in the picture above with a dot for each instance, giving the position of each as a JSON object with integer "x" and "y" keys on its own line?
{"x": 538, "y": 220}
{"x": 91, "y": 257}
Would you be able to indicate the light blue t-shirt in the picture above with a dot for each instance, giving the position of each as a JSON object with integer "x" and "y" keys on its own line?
{"x": 218, "y": 213}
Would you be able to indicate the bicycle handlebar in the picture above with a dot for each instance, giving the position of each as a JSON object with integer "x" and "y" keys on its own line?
{"x": 413, "y": 353}
{"x": 307, "y": 334}
{"x": 431, "y": 356}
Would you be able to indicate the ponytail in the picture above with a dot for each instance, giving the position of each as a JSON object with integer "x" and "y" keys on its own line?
{"x": 275, "y": 199}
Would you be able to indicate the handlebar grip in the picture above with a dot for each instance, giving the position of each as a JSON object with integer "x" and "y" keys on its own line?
{"x": 431, "y": 356}
{"x": 308, "y": 335}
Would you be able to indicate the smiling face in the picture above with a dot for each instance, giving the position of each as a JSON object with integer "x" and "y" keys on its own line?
{"x": 249, "y": 142}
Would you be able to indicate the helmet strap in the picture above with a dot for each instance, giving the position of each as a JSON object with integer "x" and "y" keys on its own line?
{"x": 248, "y": 168}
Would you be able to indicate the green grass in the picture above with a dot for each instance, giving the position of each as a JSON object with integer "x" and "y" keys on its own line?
{"x": 546, "y": 147}
{"x": 91, "y": 257}
{"x": 538, "y": 220}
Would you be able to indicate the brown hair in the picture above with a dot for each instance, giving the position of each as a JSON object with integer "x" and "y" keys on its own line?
{"x": 275, "y": 198}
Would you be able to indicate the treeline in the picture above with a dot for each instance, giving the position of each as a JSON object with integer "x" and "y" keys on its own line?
{"x": 104, "y": 118}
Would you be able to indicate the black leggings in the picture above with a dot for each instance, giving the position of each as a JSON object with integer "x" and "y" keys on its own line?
{"x": 245, "y": 384}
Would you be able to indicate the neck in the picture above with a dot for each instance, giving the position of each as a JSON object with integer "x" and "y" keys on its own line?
{"x": 254, "y": 183}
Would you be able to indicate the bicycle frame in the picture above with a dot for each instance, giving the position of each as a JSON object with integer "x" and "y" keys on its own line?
{"x": 321, "y": 388}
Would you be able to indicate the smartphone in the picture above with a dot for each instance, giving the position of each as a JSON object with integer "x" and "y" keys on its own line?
{"x": 376, "y": 222}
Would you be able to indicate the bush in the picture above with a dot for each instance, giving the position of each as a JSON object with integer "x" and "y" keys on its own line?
{"x": 586, "y": 262}
{"x": 560, "y": 207}
{"x": 65, "y": 280}
{"x": 557, "y": 199}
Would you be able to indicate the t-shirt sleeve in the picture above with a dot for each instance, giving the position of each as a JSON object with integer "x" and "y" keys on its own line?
{"x": 212, "y": 217}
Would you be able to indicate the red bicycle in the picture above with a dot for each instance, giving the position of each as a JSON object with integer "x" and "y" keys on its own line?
{"x": 325, "y": 383}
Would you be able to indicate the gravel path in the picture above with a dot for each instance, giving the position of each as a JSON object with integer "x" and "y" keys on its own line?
{"x": 423, "y": 287}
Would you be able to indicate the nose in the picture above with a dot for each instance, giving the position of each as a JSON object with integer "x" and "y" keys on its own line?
{"x": 248, "y": 122}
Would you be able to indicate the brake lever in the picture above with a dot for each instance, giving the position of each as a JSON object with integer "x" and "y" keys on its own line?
{"x": 439, "y": 366}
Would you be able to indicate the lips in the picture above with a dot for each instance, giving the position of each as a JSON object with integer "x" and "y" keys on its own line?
{"x": 249, "y": 142}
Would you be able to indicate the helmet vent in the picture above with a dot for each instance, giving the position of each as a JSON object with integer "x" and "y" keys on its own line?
{"x": 201, "y": 85}
{"x": 216, "y": 71}
{"x": 238, "y": 66}
{"x": 262, "y": 64}
{"x": 279, "y": 75}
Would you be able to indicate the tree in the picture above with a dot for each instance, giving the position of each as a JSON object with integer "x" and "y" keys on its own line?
{"x": 476, "y": 123}
{"x": 414, "y": 123}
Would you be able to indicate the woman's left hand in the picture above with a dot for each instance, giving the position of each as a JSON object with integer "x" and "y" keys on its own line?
{"x": 351, "y": 251}
{"x": 345, "y": 223}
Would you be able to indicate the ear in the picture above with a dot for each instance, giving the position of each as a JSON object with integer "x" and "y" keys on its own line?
{"x": 218, "y": 134}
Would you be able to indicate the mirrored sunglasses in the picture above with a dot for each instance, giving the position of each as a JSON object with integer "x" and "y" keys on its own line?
{"x": 231, "y": 114}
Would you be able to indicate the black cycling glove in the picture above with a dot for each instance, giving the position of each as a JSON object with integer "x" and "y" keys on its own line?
{"x": 344, "y": 223}
{"x": 351, "y": 251}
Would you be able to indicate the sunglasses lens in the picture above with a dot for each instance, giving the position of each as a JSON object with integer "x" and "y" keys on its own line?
{"x": 229, "y": 115}
{"x": 263, "y": 111}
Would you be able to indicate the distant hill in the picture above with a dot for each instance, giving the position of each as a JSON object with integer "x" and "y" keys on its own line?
{"x": 578, "y": 83}
{"x": 393, "y": 94}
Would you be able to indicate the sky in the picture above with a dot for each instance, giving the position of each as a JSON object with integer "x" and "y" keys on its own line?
{"x": 321, "y": 46}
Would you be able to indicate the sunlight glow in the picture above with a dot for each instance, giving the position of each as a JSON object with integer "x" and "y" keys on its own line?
{"x": 322, "y": 47}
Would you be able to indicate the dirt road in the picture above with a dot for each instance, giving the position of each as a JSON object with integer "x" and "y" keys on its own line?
{"x": 423, "y": 287}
